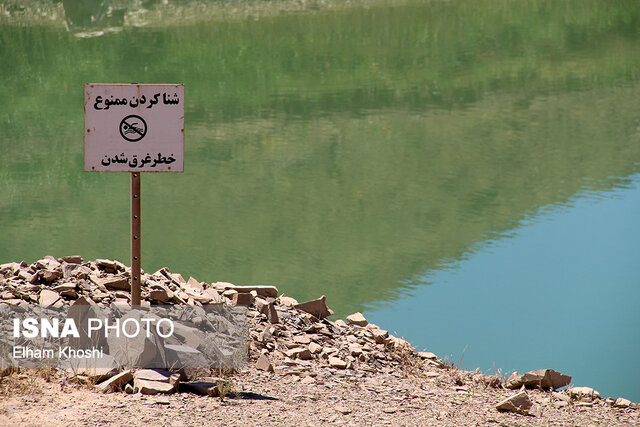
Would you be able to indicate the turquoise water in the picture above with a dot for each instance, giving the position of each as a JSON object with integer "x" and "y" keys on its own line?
{"x": 560, "y": 291}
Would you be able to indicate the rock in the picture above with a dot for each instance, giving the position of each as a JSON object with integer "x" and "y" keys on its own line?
{"x": 540, "y": 378}
{"x": 264, "y": 291}
{"x": 427, "y": 355}
{"x": 329, "y": 350}
{"x": 478, "y": 378}
{"x": 177, "y": 279}
{"x": 390, "y": 410}
{"x": 120, "y": 282}
{"x": 287, "y": 301}
{"x": 64, "y": 287}
{"x": 137, "y": 350}
{"x": 216, "y": 298}
{"x": 380, "y": 336}
{"x": 80, "y": 311}
{"x": 194, "y": 284}
{"x": 9, "y": 269}
{"x": 189, "y": 336}
{"x": 357, "y": 319}
{"x": 355, "y": 349}
{"x": 163, "y": 272}
{"x": 229, "y": 294}
{"x": 315, "y": 348}
{"x": 307, "y": 381}
{"x": 265, "y": 336}
{"x": 106, "y": 265}
{"x": 561, "y": 396}
{"x": 584, "y": 404}
{"x": 122, "y": 294}
{"x": 157, "y": 376}
{"x": 160, "y": 295}
{"x": 153, "y": 375}
{"x": 129, "y": 389}
{"x": 163, "y": 400}
{"x": 264, "y": 364}
{"x": 116, "y": 382}
{"x": 272, "y": 313}
{"x": 268, "y": 309}
{"x": 184, "y": 356}
{"x": 519, "y": 403}
{"x": 70, "y": 293}
{"x": 27, "y": 277}
{"x": 47, "y": 298}
{"x": 340, "y": 323}
{"x": 203, "y": 388}
{"x": 343, "y": 410}
{"x": 302, "y": 339}
{"x": 513, "y": 381}
{"x": 47, "y": 263}
{"x": 260, "y": 304}
{"x": 153, "y": 387}
{"x": 336, "y": 362}
{"x": 401, "y": 344}
{"x": 288, "y": 344}
{"x": 244, "y": 299}
{"x": 299, "y": 353}
{"x": 75, "y": 270}
{"x": 317, "y": 307}
{"x": 586, "y": 394}
{"x": 174, "y": 380}
{"x": 50, "y": 275}
{"x": 73, "y": 259}
{"x": 67, "y": 290}
{"x": 622, "y": 403}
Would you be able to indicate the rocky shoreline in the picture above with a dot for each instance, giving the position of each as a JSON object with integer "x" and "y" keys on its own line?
{"x": 303, "y": 368}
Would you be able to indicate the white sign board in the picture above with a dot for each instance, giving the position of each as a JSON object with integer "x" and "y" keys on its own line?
{"x": 133, "y": 128}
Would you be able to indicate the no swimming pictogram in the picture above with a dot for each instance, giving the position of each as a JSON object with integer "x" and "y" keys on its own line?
{"x": 133, "y": 128}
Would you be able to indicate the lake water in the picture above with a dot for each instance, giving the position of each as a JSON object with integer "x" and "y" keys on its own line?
{"x": 464, "y": 173}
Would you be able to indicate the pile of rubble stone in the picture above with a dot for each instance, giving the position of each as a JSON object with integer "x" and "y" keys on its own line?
{"x": 285, "y": 335}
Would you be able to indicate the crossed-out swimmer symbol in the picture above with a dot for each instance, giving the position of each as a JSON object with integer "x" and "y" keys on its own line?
{"x": 133, "y": 128}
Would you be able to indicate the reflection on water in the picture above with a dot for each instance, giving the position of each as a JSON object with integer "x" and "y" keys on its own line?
{"x": 84, "y": 13}
{"x": 92, "y": 18}
{"x": 341, "y": 152}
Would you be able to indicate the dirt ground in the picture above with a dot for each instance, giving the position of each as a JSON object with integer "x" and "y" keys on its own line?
{"x": 319, "y": 396}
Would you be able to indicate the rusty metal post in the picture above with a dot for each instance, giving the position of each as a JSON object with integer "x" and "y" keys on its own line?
{"x": 135, "y": 238}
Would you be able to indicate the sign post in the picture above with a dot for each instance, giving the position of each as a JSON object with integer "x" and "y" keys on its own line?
{"x": 135, "y": 238}
{"x": 134, "y": 128}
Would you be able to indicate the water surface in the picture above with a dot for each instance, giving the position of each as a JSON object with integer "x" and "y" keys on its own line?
{"x": 507, "y": 305}
{"x": 359, "y": 152}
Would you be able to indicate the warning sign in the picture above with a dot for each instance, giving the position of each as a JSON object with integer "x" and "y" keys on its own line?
{"x": 133, "y": 127}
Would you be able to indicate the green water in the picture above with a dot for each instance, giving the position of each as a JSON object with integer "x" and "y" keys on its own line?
{"x": 345, "y": 151}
